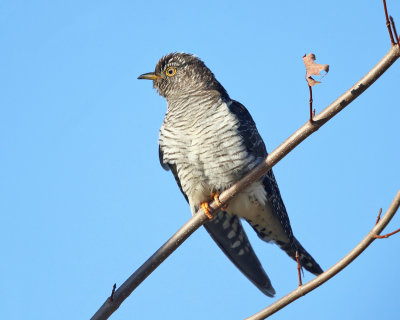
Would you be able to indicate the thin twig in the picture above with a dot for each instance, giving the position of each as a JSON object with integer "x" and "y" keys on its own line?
{"x": 388, "y": 23}
{"x": 299, "y": 268}
{"x": 394, "y": 29}
{"x": 273, "y": 158}
{"x": 113, "y": 291}
{"x": 311, "y": 102}
{"x": 328, "y": 274}
{"x": 387, "y": 235}
{"x": 379, "y": 216}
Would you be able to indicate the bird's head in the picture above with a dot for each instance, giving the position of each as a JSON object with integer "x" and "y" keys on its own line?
{"x": 180, "y": 74}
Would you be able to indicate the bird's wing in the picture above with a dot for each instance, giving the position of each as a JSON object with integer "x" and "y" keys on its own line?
{"x": 228, "y": 233}
{"x": 256, "y": 147}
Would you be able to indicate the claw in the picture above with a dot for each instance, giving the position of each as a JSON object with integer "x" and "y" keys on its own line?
{"x": 206, "y": 208}
{"x": 215, "y": 196}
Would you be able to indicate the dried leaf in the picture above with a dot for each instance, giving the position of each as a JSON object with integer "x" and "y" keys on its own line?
{"x": 313, "y": 69}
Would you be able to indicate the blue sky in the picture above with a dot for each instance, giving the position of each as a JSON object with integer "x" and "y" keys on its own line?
{"x": 84, "y": 200}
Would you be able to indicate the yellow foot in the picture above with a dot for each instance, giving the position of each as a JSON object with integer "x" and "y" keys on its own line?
{"x": 206, "y": 208}
{"x": 215, "y": 196}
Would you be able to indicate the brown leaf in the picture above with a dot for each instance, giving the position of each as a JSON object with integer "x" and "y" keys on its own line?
{"x": 313, "y": 69}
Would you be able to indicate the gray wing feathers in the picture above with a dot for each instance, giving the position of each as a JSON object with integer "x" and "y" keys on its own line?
{"x": 255, "y": 146}
{"x": 275, "y": 200}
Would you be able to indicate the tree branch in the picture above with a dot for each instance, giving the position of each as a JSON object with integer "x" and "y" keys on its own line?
{"x": 273, "y": 158}
{"x": 322, "y": 278}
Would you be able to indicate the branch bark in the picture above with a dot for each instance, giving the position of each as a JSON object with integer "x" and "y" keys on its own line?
{"x": 328, "y": 274}
{"x": 110, "y": 305}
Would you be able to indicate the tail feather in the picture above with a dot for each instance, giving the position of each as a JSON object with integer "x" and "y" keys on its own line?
{"x": 289, "y": 244}
{"x": 306, "y": 260}
{"x": 227, "y": 231}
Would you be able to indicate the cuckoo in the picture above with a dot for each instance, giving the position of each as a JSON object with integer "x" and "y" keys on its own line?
{"x": 209, "y": 141}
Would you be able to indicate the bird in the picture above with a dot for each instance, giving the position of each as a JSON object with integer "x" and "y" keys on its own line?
{"x": 209, "y": 141}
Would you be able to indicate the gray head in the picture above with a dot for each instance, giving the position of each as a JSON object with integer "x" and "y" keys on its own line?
{"x": 178, "y": 74}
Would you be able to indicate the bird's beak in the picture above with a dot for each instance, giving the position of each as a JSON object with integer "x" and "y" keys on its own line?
{"x": 149, "y": 76}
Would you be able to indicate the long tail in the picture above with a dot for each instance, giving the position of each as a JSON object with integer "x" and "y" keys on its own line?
{"x": 228, "y": 233}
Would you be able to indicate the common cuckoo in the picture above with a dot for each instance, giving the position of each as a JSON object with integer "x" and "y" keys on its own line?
{"x": 209, "y": 142}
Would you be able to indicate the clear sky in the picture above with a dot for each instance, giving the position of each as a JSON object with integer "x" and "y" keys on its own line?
{"x": 84, "y": 200}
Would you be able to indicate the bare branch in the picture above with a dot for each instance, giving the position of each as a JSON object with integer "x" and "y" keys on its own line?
{"x": 273, "y": 158}
{"x": 328, "y": 274}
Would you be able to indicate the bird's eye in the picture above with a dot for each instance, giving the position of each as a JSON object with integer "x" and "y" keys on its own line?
{"x": 170, "y": 72}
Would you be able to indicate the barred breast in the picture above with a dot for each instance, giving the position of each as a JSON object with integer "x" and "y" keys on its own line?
{"x": 200, "y": 137}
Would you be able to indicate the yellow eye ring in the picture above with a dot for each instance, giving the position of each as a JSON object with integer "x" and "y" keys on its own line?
{"x": 170, "y": 72}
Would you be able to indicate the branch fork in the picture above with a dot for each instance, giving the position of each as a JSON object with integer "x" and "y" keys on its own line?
{"x": 387, "y": 235}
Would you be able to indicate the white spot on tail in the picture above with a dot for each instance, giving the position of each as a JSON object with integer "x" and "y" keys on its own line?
{"x": 226, "y": 224}
{"x": 236, "y": 244}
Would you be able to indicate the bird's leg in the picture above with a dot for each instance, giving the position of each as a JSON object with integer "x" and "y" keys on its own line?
{"x": 215, "y": 196}
{"x": 207, "y": 210}
{"x": 298, "y": 268}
